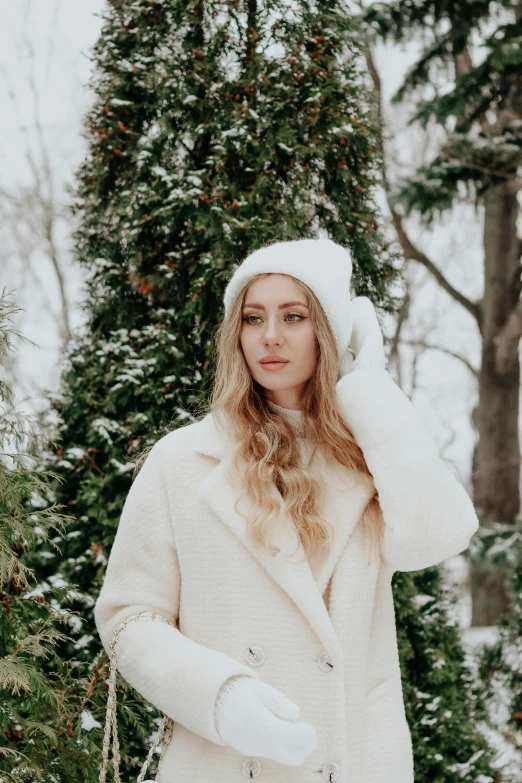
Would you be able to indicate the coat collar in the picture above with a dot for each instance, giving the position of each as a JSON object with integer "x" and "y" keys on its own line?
{"x": 345, "y": 497}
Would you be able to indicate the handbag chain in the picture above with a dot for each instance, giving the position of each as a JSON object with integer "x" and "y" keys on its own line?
{"x": 166, "y": 726}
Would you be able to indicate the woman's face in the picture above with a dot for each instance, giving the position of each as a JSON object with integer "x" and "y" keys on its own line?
{"x": 276, "y": 322}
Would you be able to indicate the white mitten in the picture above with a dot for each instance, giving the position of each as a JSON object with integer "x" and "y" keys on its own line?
{"x": 258, "y": 720}
{"x": 366, "y": 342}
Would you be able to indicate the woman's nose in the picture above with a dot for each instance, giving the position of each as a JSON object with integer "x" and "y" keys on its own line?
{"x": 272, "y": 334}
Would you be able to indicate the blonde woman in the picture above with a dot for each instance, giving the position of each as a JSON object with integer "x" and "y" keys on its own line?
{"x": 267, "y": 534}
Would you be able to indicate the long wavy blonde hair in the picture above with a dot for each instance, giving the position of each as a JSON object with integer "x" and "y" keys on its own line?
{"x": 268, "y": 451}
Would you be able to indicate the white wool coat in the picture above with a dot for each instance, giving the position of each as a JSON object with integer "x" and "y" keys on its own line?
{"x": 182, "y": 550}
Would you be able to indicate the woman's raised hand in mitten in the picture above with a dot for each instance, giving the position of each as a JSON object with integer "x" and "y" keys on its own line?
{"x": 366, "y": 342}
{"x": 256, "y": 719}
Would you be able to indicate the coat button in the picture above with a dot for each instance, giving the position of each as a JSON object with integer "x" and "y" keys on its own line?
{"x": 254, "y": 656}
{"x": 251, "y": 767}
{"x": 331, "y": 771}
{"x": 325, "y": 662}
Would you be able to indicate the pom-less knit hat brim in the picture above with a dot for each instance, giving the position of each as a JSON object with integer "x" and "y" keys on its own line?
{"x": 321, "y": 264}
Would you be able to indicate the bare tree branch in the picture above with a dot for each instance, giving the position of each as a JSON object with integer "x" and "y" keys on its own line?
{"x": 442, "y": 349}
{"x": 409, "y": 249}
{"x": 412, "y": 251}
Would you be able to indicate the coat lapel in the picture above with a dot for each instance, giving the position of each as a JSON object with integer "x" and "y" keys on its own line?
{"x": 344, "y": 500}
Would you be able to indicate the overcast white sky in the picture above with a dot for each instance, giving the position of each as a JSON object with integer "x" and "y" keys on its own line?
{"x": 44, "y": 71}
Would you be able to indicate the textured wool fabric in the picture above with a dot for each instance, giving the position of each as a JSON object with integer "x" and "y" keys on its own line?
{"x": 182, "y": 549}
{"x": 323, "y": 265}
{"x": 296, "y": 419}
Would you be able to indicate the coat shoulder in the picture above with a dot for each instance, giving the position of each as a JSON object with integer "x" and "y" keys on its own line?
{"x": 202, "y": 437}
{"x": 179, "y": 442}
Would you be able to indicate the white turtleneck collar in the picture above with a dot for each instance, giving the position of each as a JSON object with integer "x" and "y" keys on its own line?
{"x": 296, "y": 419}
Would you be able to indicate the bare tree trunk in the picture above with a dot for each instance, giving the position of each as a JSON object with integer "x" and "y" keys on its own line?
{"x": 496, "y": 463}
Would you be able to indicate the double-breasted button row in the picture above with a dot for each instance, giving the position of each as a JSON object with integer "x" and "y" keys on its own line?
{"x": 331, "y": 770}
{"x": 251, "y": 766}
{"x": 255, "y": 656}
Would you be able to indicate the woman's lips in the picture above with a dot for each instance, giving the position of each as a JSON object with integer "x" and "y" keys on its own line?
{"x": 273, "y": 365}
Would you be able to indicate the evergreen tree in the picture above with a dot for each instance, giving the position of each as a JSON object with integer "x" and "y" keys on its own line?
{"x": 196, "y": 159}
{"x": 216, "y": 128}
{"x": 444, "y": 707}
{"x": 44, "y": 720}
{"x": 500, "y": 673}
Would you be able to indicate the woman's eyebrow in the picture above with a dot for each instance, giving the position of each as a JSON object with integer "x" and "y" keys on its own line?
{"x": 285, "y": 304}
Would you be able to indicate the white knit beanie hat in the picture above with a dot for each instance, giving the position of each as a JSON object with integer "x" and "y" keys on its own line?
{"x": 323, "y": 265}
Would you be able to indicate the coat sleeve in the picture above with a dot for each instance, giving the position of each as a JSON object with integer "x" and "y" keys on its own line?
{"x": 179, "y": 676}
{"x": 429, "y": 515}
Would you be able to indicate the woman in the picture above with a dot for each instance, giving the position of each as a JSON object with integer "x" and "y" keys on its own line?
{"x": 275, "y": 666}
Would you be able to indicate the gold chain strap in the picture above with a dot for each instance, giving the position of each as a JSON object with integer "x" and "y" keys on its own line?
{"x": 166, "y": 725}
